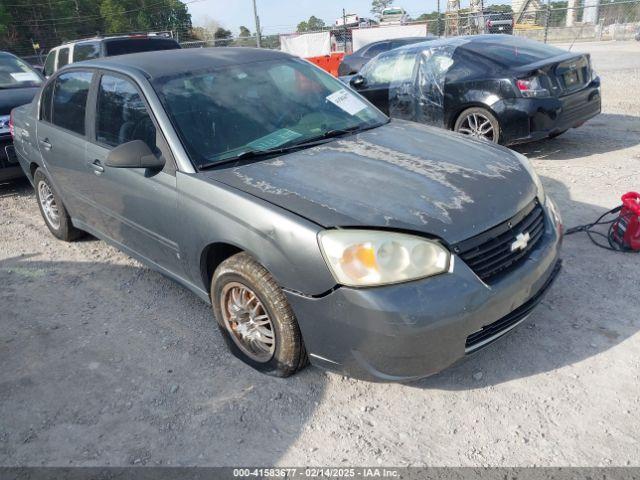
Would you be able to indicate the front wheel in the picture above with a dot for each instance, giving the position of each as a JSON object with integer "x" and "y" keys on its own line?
{"x": 479, "y": 123}
{"x": 255, "y": 318}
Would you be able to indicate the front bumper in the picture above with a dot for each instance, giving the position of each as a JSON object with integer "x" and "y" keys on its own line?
{"x": 9, "y": 166}
{"x": 411, "y": 330}
{"x": 528, "y": 119}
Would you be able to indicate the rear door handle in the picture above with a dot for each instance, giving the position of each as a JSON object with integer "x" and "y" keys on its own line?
{"x": 97, "y": 167}
{"x": 45, "y": 144}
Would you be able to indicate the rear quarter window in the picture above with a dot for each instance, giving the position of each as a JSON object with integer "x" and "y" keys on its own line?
{"x": 135, "y": 45}
{"x": 513, "y": 51}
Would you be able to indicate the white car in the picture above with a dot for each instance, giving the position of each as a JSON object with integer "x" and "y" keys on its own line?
{"x": 91, "y": 48}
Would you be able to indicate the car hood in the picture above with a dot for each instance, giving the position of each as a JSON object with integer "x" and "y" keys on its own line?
{"x": 14, "y": 97}
{"x": 402, "y": 175}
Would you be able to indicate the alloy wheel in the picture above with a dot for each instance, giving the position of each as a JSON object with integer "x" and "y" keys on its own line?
{"x": 247, "y": 321}
{"x": 48, "y": 204}
{"x": 478, "y": 126}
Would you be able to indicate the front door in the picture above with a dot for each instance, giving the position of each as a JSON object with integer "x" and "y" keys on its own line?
{"x": 136, "y": 207}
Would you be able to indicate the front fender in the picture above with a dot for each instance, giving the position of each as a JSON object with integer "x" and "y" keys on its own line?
{"x": 283, "y": 242}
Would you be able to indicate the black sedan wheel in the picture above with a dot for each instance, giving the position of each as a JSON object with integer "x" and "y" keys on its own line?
{"x": 478, "y": 123}
{"x": 255, "y": 318}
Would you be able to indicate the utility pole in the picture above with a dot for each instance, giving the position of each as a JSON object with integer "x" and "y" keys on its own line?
{"x": 438, "y": 21}
{"x": 258, "y": 35}
{"x": 344, "y": 30}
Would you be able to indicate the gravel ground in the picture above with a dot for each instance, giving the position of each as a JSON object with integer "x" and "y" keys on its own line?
{"x": 105, "y": 362}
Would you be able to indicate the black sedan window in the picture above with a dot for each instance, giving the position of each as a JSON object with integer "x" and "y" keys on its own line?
{"x": 261, "y": 106}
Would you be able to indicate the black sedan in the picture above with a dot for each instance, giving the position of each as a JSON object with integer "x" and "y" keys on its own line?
{"x": 499, "y": 88}
{"x": 19, "y": 82}
{"x": 353, "y": 63}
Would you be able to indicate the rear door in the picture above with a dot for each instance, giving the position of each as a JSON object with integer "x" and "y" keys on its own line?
{"x": 135, "y": 207}
{"x": 61, "y": 136}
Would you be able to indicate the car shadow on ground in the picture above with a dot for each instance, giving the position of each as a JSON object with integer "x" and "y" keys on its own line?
{"x": 113, "y": 364}
{"x": 19, "y": 187}
{"x": 582, "y": 316}
{"x": 623, "y": 131}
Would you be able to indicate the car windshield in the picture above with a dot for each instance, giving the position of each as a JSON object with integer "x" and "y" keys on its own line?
{"x": 14, "y": 73}
{"x": 224, "y": 113}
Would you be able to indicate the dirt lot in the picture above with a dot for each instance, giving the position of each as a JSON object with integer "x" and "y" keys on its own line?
{"x": 107, "y": 363}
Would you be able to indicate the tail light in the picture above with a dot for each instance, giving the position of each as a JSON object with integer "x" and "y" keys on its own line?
{"x": 11, "y": 129}
{"x": 531, "y": 87}
{"x": 489, "y": 23}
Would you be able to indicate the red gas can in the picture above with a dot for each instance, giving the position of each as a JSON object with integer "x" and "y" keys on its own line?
{"x": 626, "y": 229}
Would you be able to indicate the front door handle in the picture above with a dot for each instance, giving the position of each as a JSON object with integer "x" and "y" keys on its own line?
{"x": 45, "y": 144}
{"x": 97, "y": 167}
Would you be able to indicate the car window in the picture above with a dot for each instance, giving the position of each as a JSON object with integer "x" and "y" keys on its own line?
{"x": 374, "y": 50}
{"x": 45, "y": 102}
{"x": 220, "y": 113}
{"x": 70, "y": 100}
{"x": 122, "y": 46}
{"x": 49, "y": 63}
{"x": 63, "y": 57}
{"x": 389, "y": 68}
{"x": 121, "y": 114}
{"x": 86, "y": 51}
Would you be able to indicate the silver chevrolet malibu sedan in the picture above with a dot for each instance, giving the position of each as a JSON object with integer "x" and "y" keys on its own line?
{"x": 319, "y": 230}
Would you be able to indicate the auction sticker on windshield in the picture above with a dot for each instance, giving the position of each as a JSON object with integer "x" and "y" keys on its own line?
{"x": 347, "y": 101}
{"x": 25, "y": 77}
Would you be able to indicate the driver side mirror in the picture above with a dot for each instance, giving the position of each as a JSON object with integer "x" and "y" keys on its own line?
{"x": 357, "y": 81}
{"x": 134, "y": 154}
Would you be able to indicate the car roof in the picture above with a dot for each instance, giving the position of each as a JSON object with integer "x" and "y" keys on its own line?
{"x": 169, "y": 62}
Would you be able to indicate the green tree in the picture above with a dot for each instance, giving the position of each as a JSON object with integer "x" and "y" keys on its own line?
{"x": 222, "y": 37}
{"x": 314, "y": 24}
{"x": 244, "y": 31}
{"x": 377, "y": 6}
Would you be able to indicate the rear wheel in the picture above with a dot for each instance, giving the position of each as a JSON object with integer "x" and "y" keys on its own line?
{"x": 479, "y": 123}
{"x": 52, "y": 209}
{"x": 255, "y": 318}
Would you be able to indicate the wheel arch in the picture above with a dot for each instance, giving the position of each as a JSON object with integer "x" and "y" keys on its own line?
{"x": 212, "y": 256}
{"x": 474, "y": 104}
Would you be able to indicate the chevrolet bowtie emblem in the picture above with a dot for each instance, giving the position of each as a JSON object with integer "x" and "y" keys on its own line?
{"x": 521, "y": 242}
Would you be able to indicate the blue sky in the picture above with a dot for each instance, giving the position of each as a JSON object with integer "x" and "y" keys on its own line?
{"x": 283, "y": 15}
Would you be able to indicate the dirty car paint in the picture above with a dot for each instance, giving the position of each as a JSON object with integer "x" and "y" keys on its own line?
{"x": 402, "y": 175}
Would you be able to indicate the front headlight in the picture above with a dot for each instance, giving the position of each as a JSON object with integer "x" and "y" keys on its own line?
{"x": 526, "y": 163}
{"x": 364, "y": 258}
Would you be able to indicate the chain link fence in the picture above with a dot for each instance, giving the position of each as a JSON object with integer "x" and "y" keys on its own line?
{"x": 553, "y": 22}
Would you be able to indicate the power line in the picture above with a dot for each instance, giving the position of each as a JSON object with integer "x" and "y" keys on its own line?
{"x": 64, "y": 20}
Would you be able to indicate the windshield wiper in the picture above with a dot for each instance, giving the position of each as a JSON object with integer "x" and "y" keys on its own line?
{"x": 309, "y": 142}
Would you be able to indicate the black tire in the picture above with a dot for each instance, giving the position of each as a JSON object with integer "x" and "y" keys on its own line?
{"x": 289, "y": 354}
{"x": 464, "y": 123}
{"x": 63, "y": 228}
